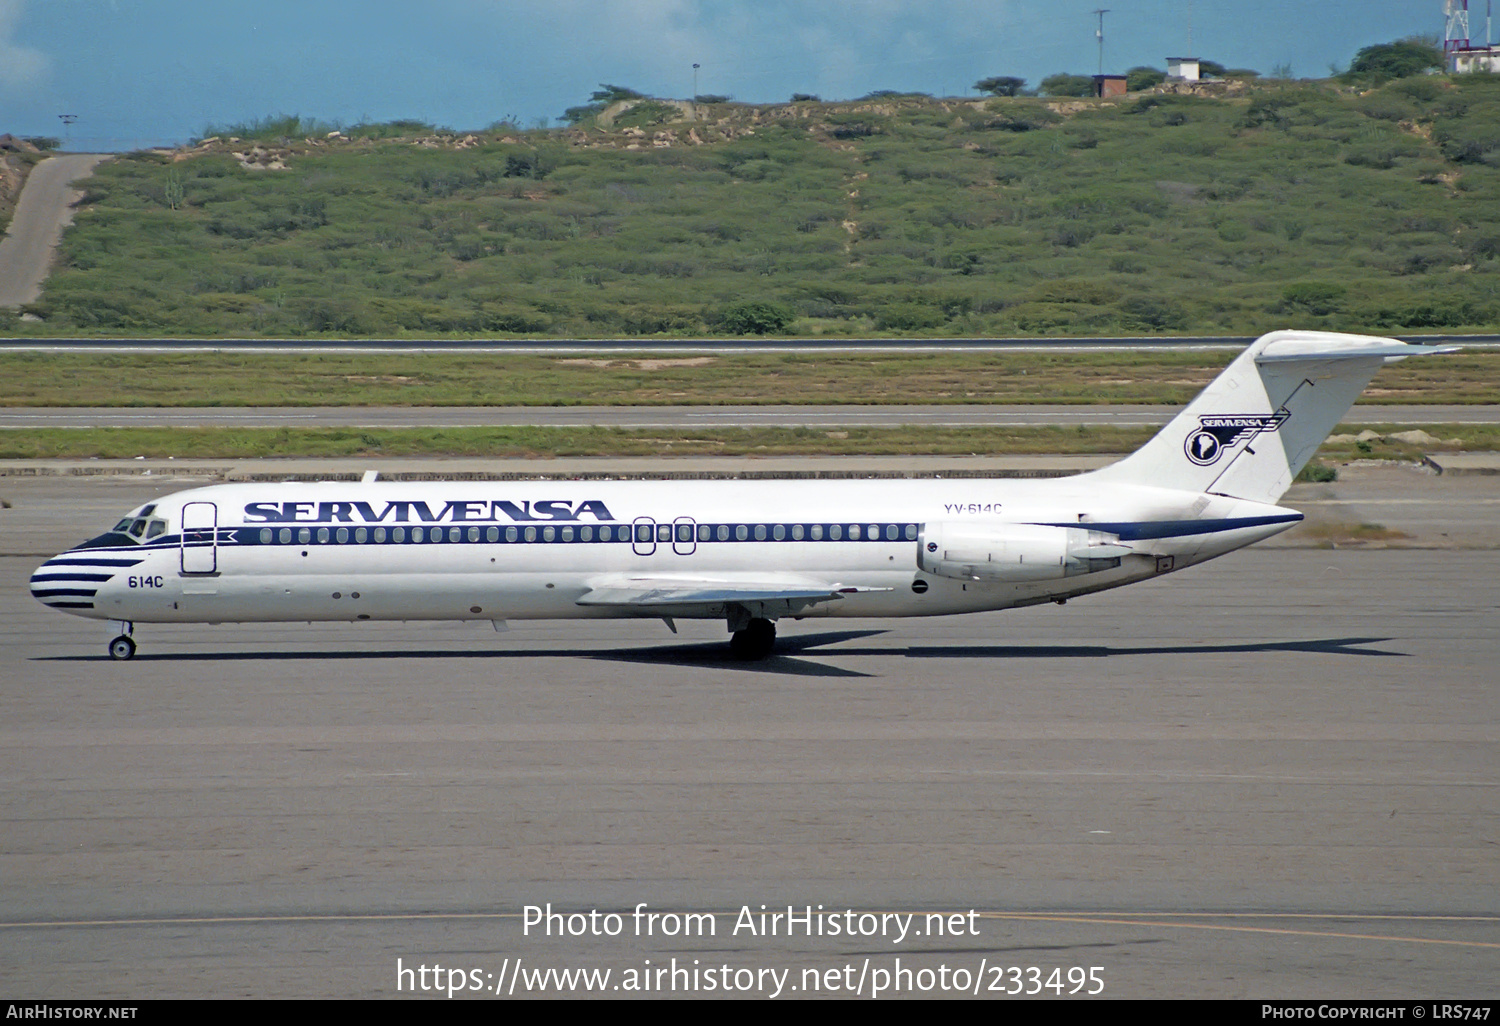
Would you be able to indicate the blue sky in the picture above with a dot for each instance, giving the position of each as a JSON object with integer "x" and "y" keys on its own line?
{"x": 146, "y": 72}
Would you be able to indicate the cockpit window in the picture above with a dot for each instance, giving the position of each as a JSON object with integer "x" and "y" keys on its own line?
{"x": 135, "y": 529}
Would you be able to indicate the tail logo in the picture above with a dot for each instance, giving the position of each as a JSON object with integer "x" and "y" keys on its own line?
{"x": 1219, "y": 432}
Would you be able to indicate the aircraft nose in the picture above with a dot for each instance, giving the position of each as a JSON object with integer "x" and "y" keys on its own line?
{"x": 68, "y": 582}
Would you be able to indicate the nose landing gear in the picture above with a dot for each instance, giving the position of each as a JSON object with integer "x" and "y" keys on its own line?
{"x": 123, "y": 645}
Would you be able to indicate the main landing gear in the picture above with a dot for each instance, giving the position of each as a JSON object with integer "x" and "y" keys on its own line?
{"x": 755, "y": 641}
{"x": 123, "y": 645}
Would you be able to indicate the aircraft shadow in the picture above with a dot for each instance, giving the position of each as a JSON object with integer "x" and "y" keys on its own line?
{"x": 1326, "y": 646}
{"x": 786, "y": 661}
{"x": 716, "y": 654}
{"x": 713, "y": 654}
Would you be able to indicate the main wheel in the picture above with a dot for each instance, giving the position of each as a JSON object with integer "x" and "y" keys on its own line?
{"x": 754, "y": 642}
{"x": 122, "y": 648}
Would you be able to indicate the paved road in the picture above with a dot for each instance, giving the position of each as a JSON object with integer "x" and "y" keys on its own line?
{"x": 674, "y": 417}
{"x": 1273, "y": 776}
{"x": 45, "y": 208}
{"x": 658, "y": 345}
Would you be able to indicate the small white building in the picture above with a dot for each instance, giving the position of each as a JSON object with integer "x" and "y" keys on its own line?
{"x": 1477, "y": 58}
{"x": 1185, "y": 68}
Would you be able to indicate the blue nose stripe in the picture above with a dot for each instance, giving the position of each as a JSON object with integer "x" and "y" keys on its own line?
{"x": 71, "y": 580}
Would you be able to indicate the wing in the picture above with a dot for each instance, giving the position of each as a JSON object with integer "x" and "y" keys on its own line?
{"x": 772, "y": 595}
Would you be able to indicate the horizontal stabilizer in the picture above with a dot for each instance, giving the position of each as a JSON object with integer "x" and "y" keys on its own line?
{"x": 1351, "y": 347}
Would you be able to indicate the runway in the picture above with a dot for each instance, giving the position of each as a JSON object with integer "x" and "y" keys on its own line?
{"x": 1270, "y": 777}
{"x": 717, "y": 346}
{"x": 674, "y": 417}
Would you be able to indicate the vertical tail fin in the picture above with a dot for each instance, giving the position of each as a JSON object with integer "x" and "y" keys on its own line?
{"x": 1258, "y": 423}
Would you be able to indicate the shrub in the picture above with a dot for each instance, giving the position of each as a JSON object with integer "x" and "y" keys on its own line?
{"x": 1067, "y": 85}
{"x": 1022, "y": 118}
{"x": 1075, "y": 290}
{"x": 1001, "y": 85}
{"x": 647, "y": 113}
{"x": 1401, "y": 59}
{"x": 1314, "y": 297}
{"x": 1318, "y": 472}
{"x": 755, "y": 318}
{"x": 909, "y": 317}
{"x": 1152, "y": 314}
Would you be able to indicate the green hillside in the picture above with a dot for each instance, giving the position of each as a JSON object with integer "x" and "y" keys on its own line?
{"x": 1307, "y": 205}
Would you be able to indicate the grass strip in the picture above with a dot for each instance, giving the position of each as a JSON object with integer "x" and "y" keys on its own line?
{"x": 228, "y": 379}
{"x": 541, "y": 443}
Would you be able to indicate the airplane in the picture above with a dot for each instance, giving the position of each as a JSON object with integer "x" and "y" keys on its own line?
{"x": 748, "y": 552}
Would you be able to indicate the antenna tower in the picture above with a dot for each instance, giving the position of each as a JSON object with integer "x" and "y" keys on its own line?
{"x": 1099, "y": 35}
{"x": 1456, "y": 16}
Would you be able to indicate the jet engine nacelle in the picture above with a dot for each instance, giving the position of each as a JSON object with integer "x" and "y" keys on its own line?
{"x": 970, "y": 551}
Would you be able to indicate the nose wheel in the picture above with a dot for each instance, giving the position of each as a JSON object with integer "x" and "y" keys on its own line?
{"x": 122, "y": 648}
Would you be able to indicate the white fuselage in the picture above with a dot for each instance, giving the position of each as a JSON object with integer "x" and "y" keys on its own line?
{"x": 530, "y": 550}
